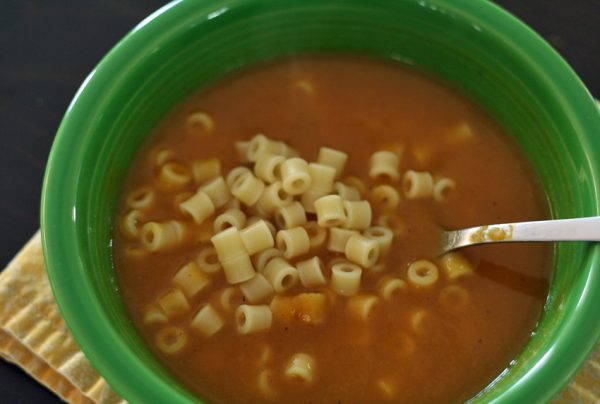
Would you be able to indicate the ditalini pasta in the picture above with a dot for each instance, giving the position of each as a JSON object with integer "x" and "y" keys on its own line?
{"x": 173, "y": 176}
{"x": 346, "y": 192}
{"x": 417, "y": 184}
{"x": 258, "y": 209}
{"x": 260, "y": 144}
{"x": 174, "y": 303}
{"x": 199, "y": 122}
{"x": 131, "y": 223}
{"x": 230, "y": 298}
{"x": 322, "y": 178}
{"x": 272, "y": 228}
{"x": 241, "y": 149}
{"x": 293, "y": 242}
{"x": 266, "y": 353}
{"x": 273, "y": 197}
{"x": 154, "y": 315}
{"x": 217, "y": 191}
{"x": 338, "y": 238}
{"x": 453, "y": 298}
{"x": 247, "y": 188}
{"x": 228, "y": 244}
{"x": 390, "y": 287}
{"x": 316, "y": 234}
{"x": 441, "y": 188}
{"x": 385, "y": 196}
{"x": 238, "y": 269}
{"x": 191, "y": 279}
{"x": 230, "y": 218}
{"x": 206, "y": 170}
{"x": 356, "y": 183}
{"x": 384, "y": 164}
{"x": 200, "y": 206}
{"x": 419, "y": 320}
{"x": 330, "y": 211}
{"x": 142, "y": 198}
{"x": 268, "y": 167}
{"x": 233, "y": 203}
{"x": 160, "y": 156}
{"x": 294, "y": 176}
{"x": 301, "y": 366}
{"x": 310, "y": 272}
{"x": 422, "y": 273}
{"x": 335, "y": 159}
{"x": 164, "y": 236}
{"x": 265, "y": 384}
{"x": 171, "y": 339}
{"x": 233, "y": 256}
{"x": 362, "y": 250}
{"x": 262, "y": 258}
{"x": 235, "y": 174}
{"x": 360, "y": 306}
{"x": 345, "y": 278}
{"x": 181, "y": 197}
{"x": 280, "y": 274}
{"x": 207, "y": 321}
{"x": 135, "y": 252}
{"x": 382, "y": 235}
{"x": 207, "y": 260}
{"x": 256, "y": 289}
{"x": 290, "y": 216}
{"x": 253, "y": 319}
{"x": 336, "y": 260}
{"x": 257, "y": 237}
{"x": 358, "y": 214}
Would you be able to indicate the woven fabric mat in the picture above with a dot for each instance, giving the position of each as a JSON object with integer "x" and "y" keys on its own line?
{"x": 34, "y": 336}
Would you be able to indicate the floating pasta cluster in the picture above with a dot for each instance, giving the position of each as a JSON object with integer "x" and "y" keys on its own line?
{"x": 267, "y": 226}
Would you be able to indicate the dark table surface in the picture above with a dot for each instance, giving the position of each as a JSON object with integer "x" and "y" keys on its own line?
{"x": 48, "y": 47}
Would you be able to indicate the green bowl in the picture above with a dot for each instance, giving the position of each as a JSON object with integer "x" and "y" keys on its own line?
{"x": 474, "y": 45}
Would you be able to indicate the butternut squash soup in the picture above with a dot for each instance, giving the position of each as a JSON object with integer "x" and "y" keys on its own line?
{"x": 278, "y": 238}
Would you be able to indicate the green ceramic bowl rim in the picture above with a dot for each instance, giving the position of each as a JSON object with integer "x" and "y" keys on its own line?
{"x": 60, "y": 235}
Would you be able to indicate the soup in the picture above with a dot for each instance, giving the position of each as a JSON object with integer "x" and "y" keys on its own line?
{"x": 278, "y": 238}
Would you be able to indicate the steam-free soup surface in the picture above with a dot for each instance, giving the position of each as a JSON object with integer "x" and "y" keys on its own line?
{"x": 358, "y": 106}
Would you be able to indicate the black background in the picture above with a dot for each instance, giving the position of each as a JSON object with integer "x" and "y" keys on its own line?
{"x": 47, "y": 47}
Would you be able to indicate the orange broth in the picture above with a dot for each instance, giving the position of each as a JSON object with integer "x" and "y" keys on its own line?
{"x": 359, "y": 106}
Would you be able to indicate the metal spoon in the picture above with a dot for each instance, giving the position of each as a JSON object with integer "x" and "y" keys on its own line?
{"x": 580, "y": 229}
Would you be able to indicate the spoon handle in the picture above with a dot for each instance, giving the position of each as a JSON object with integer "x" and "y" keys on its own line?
{"x": 580, "y": 229}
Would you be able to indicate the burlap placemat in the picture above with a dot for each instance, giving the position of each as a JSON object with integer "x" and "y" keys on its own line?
{"x": 34, "y": 336}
